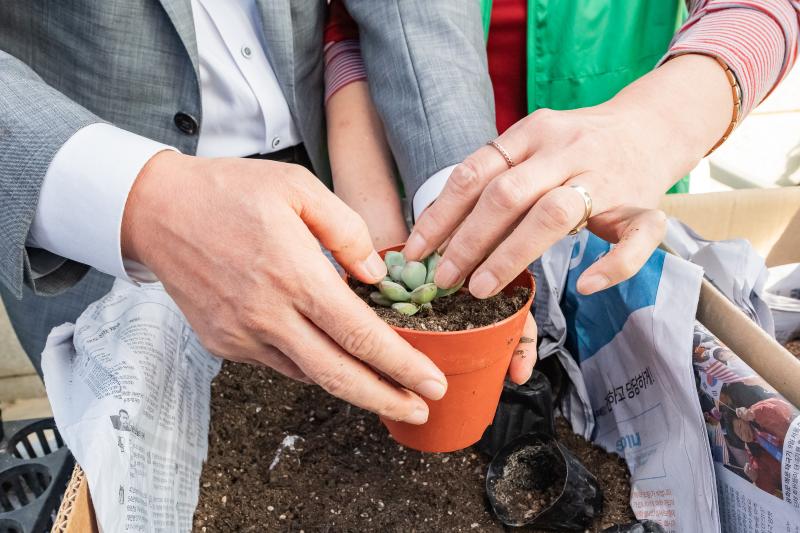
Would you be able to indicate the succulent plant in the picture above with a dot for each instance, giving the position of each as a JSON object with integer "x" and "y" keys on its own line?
{"x": 409, "y": 286}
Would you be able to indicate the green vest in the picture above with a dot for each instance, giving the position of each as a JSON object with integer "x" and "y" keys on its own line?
{"x": 581, "y": 53}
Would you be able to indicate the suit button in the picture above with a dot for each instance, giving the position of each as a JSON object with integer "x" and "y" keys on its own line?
{"x": 186, "y": 123}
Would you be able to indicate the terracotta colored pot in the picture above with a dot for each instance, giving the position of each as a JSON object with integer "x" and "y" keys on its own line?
{"x": 475, "y": 362}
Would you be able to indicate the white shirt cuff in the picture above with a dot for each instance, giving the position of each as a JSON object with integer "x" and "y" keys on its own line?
{"x": 430, "y": 190}
{"x": 83, "y": 196}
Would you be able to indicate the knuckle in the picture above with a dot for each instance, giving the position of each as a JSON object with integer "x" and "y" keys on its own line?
{"x": 353, "y": 232}
{"x": 362, "y": 342}
{"x": 392, "y": 408}
{"x": 335, "y": 382}
{"x": 506, "y": 193}
{"x": 553, "y": 214}
{"x": 464, "y": 178}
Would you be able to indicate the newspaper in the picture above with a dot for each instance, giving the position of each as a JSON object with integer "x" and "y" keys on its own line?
{"x": 783, "y": 297}
{"x": 631, "y": 353}
{"x": 754, "y": 435}
{"x": 129, "y": 384}
{"x": 634, "y": 391}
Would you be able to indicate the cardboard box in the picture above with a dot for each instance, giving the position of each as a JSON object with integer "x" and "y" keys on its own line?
{"x": 768, "y": 218}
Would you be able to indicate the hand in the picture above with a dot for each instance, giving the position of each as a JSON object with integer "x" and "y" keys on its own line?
{"x": 625, "y": 153}
{"x": 524, "y": 358}
{"x": 235, "y": 243}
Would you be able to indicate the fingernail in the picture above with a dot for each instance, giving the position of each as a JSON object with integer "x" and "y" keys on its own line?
{"x": 419, "y": 416}
{"x": 415, "y": 246}
{"x": 432, "y": 389}
{"x": 483, "y": 285}
{"x": 592, "y": 283}
{"x": 447, "y": 274}
{"x": 374, "y": 266}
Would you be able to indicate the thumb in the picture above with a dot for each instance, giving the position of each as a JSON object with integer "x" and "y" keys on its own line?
{"x": 342, "y": 231}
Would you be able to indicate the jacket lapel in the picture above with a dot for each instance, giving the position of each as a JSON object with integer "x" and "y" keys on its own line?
{"x": 180, "y": 13}
{"x": 276, "y": 19}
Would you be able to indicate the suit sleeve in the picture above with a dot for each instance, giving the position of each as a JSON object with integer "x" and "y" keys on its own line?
{"x": 426, "y": 64}
{"x": 35, "y": 121}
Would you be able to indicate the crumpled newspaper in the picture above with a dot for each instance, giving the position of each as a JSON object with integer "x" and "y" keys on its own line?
{"x": 129, "y": 384}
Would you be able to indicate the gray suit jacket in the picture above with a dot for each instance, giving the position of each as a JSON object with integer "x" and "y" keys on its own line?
{"x": 134, "y": 63}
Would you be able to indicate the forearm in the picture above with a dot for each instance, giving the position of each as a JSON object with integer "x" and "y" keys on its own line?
{"x": 362, "y": 165}
{"x": 680, "y": 110}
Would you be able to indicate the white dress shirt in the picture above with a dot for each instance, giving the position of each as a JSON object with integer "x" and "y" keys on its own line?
{"x": 80, "y": 209}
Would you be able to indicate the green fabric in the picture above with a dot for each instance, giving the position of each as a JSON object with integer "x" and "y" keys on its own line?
{"x": 580, "y": 53}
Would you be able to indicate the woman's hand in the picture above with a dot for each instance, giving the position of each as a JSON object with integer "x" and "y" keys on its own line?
{"x": 625, "y": 153}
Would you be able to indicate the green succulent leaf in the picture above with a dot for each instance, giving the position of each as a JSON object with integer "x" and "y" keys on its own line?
{"x": 394, "y": 291}
{"x": 431, "y": 263}
{"x": 405, "y": 308}
{"x": 414, "y": 274}
{"x": 395, "y": 272}
{"x": 380, "y": 299}
{"x": 394, "y": 259}
{"x": 424, "y": 293}
{"x": 426, "y": 307}
{"x": 447, "y": 292}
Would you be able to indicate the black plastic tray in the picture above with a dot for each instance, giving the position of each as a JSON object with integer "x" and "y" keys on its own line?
{"x": 35, "y": 467}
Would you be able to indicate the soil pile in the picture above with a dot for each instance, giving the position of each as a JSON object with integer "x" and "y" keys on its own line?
{"x": 344, "y": 473}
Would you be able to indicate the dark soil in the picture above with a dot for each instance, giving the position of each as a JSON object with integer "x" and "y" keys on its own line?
{"x": 523, "y": 495}
{"x": 456, "y": 312}
{"x": 794, "y": 347}
{"x": 345, "y": 473}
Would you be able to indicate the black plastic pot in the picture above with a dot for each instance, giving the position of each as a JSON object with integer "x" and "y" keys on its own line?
{"x": 34, "y": 470}
{"x": 643, "y": 526}
{"x": 542, "y": 465}
{"x": 522, "y": 409}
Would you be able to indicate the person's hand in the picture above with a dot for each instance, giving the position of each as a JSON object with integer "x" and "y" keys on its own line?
{"x": 235, "y": 243}
{"x": 625, "y": 153}
{"x": 521, "y": 367}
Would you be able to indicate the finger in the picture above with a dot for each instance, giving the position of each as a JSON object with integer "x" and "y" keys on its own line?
{"x": 644, "y": 231}
{"x": 549, "y": 220}
{"x": 463, "y": 189}
{"x": 347, "y": 378}
{"x": 273, "y": 358}
{"x": 350, "y": 323}
{"x": 502, "y": 203}
{"x": 524, "y": 354}
{"x": 342, "y": 231}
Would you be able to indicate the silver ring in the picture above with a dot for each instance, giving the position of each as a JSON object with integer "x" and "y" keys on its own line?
{"x": 509, "y": 161}
{"x": 587, "y": 209}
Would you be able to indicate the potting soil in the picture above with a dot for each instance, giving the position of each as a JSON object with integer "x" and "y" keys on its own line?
{"x": 343, "y": 472}
{"x": 794, "y": 347}
{"x": 456, "y": 312}
{"x": 532, "y": 480}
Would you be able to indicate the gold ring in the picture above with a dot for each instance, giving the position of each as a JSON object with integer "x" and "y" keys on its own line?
{"x": 509, "y": 161}
{"x": 587, "y": 209}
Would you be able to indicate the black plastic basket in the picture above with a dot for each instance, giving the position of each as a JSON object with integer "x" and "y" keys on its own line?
{"x": 34, "y": 471}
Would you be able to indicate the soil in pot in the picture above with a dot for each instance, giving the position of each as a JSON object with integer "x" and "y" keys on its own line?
{"x": 457, "y": 312}
{"x": 794, "y": 347}
{"x": 523, "y": 496}
{"x": 344, "y": 472}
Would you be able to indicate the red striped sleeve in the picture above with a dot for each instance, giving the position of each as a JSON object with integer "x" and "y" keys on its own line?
{"x": 757, "y": 39}
{"x": 343, "y": 65}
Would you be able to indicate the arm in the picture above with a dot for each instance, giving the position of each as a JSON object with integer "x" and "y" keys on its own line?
{"x": 361, "y": 162}
{"x": 362, "y": 165}
{"x": 426, "y": 63}
{"x": 625, "y": 152}
{"x": 35, "y": 122}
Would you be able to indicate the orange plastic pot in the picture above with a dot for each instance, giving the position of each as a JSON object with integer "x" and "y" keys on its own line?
{"x": 475, "y": 362}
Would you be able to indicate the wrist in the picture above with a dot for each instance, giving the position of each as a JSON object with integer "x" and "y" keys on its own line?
{"x": 680, "y": 109}
{"x": 143, "y": 206}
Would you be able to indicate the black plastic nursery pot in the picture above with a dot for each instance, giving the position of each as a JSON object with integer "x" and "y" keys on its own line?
{"x": 642, "y": 526}
{"x": 526, "y": 408}
{"x": 34, "y": 470}
{"x": 536, "y": 481}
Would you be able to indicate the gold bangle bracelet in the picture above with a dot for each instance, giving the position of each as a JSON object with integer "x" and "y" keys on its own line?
{"x": 736, "y": 92}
